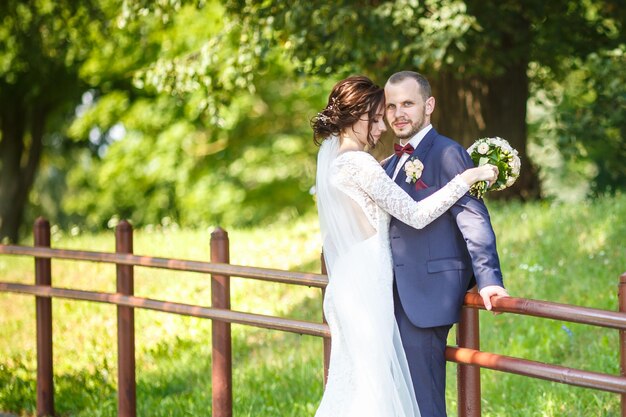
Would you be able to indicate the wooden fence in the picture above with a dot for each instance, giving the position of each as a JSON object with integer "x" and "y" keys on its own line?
{"x": 466, "y": 354}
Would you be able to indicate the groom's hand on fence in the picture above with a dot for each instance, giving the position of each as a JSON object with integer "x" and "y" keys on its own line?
{"x": 491, "y": 291}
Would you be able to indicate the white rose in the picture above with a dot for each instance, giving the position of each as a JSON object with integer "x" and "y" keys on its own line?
{"x": 483, "y": 148}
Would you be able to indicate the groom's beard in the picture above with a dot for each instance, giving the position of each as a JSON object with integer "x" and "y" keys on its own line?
{"x": 416, "y": 126}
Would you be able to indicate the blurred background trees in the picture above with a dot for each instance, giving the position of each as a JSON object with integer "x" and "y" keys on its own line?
{"x": 42, "y": 47}
{"x": 197, "y": 113}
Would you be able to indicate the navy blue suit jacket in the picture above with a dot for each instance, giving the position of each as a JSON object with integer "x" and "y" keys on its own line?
{"x": 435, "y": 266}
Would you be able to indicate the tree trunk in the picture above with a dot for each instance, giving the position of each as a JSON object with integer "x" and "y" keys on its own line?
{"x": 469, "y": 108}
{"x": 20, "y": 154}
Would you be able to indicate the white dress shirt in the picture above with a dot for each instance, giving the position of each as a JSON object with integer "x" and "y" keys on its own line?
{"x": 415, "y": 141}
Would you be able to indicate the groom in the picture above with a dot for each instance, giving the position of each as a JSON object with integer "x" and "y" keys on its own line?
{"x": 435, "y": 266}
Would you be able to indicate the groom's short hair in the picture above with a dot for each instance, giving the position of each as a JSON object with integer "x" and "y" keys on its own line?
{"x": 419, "y": 78}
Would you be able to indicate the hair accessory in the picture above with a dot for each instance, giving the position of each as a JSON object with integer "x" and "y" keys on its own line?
{"x": 324, "y": 119}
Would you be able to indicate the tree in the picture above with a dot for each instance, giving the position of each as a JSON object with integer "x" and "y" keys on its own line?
{"x": 42, "y": 46}
{"x": 182, "y": 133}
{"x": 583, "y": 121}
{"x": 153, "y": 78}
{"x": 477, "y": 54}
{"x": 256, "y": 166}
{"x": 50, "y": 54}
{"x": 137, "y": 120}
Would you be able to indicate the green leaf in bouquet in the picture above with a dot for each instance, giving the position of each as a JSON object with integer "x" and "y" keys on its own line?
{"x": 478, "y": 189}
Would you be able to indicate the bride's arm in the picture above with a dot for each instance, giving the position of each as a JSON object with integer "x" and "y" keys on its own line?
{"x": 370, "y": 177}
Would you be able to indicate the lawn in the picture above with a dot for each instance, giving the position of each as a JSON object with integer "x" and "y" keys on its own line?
{"x": 571, "y": 254}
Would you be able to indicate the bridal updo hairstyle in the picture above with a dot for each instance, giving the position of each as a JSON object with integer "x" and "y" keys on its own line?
{"x": 349, "y": 99}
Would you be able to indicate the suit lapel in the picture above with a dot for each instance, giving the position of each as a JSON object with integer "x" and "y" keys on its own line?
{"x": 422, "y": 149}
{"x": 401, "y": 177}
{"x": 391, "y": 165}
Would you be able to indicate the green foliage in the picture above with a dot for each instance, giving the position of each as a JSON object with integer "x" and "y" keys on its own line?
{"x": 50, "y": 54}
{"x": 40, "y": 41}
{"x": 203, "y": 59}
{"x": 198, "y": 111}
{"x": 567, "y": 253}
{"x": 201, "y": 150}
{"x": 464, "y": 37}
{"x": 18, "y": 384}
{"x": 259, "y": 165}
{"x": 586, "y": 122}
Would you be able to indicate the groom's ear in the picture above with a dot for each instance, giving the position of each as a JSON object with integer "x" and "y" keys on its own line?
{"x": 429, "y": 106}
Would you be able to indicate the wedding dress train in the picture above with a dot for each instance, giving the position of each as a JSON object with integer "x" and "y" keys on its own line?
{"x": 368, "y": 374}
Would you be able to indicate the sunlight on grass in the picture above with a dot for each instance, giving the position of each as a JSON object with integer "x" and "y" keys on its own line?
{"x": 564, "y": 253}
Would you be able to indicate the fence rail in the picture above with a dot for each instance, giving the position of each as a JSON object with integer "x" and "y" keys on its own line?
{"x": 555, "y": 311}
{"x": 229, "y": 316}
{"x": 467, "y": 354}
{"x": 265, "y": 274}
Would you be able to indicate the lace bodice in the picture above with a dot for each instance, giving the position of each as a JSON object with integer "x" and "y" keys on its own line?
{"x": 362, "y": 178}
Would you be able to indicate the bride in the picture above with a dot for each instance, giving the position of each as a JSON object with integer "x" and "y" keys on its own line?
{"x": 368, "y": 374}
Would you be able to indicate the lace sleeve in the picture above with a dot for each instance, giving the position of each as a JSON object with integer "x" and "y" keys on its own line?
{"x": 369, "y": 176}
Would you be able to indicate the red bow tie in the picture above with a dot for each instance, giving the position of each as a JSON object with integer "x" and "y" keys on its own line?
{"x": 399, "y": 150}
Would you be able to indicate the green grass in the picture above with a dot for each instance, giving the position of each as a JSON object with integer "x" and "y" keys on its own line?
{"x": 565, "y": 253}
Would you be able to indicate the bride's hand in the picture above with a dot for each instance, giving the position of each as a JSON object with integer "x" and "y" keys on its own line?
{"x": 485, "y": 172}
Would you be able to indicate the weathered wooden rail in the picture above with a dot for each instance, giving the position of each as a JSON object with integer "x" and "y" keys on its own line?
{"x": 467, "y": 354}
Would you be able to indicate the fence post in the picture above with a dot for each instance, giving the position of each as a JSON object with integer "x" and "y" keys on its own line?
{"x": 326, "y": 340}
{"x": 222, "y": 373}
{"x": 43, "y": 276}
{"x": 622, "y": 335}
{"x": 468, "y": 376}
{"x": 126, "y": 390}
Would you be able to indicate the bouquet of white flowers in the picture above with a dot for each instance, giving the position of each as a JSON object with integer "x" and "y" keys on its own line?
{"x": 495, "y": 151}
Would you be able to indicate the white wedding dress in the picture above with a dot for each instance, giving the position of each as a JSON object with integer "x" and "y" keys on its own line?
{"x": 368, "y": 374}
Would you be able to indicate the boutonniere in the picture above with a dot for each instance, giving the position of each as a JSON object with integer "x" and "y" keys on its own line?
{"x": 413, "y": 169}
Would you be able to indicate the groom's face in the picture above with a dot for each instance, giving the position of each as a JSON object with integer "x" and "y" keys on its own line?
{"x": 406, "y": 110}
